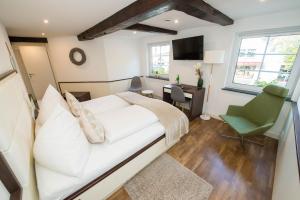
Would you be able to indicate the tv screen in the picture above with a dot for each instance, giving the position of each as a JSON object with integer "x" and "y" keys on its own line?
{"x": 188, "y": 48}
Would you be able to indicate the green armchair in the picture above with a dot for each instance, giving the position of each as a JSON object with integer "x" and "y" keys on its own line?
{"x": 258, "y": 115}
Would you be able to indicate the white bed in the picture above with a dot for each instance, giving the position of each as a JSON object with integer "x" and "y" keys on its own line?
{"x": 129, "y": 128}
{"x": 109, "y": 164}
{"x": 103, "y": 157}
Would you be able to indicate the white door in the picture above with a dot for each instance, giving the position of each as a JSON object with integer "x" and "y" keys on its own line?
{"x": 38, "y": 68}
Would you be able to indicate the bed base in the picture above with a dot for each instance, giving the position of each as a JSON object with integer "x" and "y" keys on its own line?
{"x": 108, "y": 183}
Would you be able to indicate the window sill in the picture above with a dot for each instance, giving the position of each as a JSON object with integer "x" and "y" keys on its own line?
{"x": 247, "y": 92}
{"x": 240, "y": 91}
{"x": 159, "y": 78}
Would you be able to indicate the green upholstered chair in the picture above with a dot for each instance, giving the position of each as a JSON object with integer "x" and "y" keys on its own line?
{"x": 258, "y": 115}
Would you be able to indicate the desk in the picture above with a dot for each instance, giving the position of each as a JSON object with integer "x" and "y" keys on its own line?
{"x": 191, "y": 92}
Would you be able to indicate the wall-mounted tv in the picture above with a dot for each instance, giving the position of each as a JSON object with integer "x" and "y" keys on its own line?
{"x": 188, "y": 48}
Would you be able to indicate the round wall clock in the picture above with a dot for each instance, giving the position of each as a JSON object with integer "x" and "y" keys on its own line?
{"x": 77, "y": 56}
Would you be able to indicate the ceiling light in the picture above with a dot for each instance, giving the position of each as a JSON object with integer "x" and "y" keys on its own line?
{"x": 43, "y": 34}
{"x": 176, "y": 21}
{"x": 262, "y": 1}
{"x": 46, "y": 21}
{"x": 134, "y": 32}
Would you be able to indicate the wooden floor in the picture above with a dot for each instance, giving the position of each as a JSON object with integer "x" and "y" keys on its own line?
{"x": 235, "y": 173}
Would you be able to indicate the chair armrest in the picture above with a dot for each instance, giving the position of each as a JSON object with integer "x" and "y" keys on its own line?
{"x": 261, "y": 129}
{"x": 235, "y": 110}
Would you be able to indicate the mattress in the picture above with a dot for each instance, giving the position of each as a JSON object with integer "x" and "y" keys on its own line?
{"x": 104, "y": 104}
{"x": 103, "y": 157}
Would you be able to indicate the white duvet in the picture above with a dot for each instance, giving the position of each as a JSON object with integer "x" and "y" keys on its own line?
{"x": 104, "y": 104}
{"x": 123, "y": 122}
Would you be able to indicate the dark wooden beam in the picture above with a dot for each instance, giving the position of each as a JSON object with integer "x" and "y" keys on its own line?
{"x": 28, "y": 39}
{"x": 136, "y": 12}
{"x": 203, "y": 10}
{"x": 142, "y": 10}
{"x": 151, "y": 29}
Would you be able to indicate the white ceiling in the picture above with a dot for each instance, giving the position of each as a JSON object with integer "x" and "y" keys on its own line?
{"x": 69, "y": 17}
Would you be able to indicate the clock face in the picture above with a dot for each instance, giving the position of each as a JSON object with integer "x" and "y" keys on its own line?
{"x": 77, "y": 56}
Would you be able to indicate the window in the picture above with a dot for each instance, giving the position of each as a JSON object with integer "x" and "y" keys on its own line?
{"x": 265, "y": 59}
{"x": 159, "y": 59}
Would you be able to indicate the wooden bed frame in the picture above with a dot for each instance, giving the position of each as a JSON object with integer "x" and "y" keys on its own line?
{"x": 99, "y": 188}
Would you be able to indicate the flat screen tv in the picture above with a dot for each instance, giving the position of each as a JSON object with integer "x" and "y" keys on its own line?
{"x": 188, "y": 48}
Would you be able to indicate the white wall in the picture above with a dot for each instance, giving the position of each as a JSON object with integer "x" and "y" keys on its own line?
{"x": 93, "y": 70}
{"x": 220, "y": 38}
{"x": 5, "y": 64}
{"x": 122, "y": 57}
{"x": 286, "y": 181}
{"x": 108, "y": 58}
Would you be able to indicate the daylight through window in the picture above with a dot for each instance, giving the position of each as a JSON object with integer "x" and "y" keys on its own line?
{"x": 159, "y": 59}
{"x": 266, "y": 60}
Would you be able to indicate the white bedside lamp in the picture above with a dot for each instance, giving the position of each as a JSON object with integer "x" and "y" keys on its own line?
{"x": 211, "y": 57}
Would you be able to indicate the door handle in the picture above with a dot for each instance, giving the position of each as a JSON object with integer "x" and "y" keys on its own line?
{"x": 30, "y": 75}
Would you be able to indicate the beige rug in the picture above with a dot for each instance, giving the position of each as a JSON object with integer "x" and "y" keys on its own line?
{"x": 165, "y": 179}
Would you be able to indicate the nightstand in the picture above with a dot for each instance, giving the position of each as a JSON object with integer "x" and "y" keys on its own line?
{"x": 80, "y": 96}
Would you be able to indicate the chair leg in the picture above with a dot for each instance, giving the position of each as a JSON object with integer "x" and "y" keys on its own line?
{"x": 231, "y": 137}
{"x": 242, "y": 140}
{"x": 254, "y": 142}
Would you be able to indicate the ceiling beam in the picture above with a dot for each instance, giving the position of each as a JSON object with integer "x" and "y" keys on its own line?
{"x": 142, "y": 10}
{"x": 136, "y": 12}
{"x": 151, "y": 29}
{"x": 204, "y": 11}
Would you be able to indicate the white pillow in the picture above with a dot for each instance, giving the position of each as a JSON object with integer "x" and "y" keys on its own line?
{"x": 50, "y": 100}
{"x": 92, "y": 128}
{"x": 74, "y": 104}
{"x": 60, "y": 144}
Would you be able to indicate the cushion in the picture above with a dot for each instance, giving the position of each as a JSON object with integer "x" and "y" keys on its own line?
{"x": 276, "y": 90}
{"x": 74, "y": 104}
{"x": 92, "y": 128}
{"x": 50, "y": 100}
{"x": 60, "y": 144}
{"x": 239, "y": 124}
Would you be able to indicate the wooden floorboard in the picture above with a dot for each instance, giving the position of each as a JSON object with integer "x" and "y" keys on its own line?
{"x": 235, "y": 174}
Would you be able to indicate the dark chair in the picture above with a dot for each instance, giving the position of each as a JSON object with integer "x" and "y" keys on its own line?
{"x": 257, "y": 116}
{"x": 136, "y": 85}
{"x": 177, "y": 95}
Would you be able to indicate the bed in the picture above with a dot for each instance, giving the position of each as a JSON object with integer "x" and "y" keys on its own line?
{"x": 109, "y": 165}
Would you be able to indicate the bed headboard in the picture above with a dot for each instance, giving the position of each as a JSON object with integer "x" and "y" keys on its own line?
{"x": 16, "y": 138}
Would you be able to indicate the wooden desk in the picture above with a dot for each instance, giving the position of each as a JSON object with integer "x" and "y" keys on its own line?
{"x": 190, "y": 92}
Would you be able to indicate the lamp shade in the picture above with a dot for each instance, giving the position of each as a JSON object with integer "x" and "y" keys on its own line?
{"x": 214, "y": 57}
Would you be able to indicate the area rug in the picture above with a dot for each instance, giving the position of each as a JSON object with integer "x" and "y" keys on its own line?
{"x": 167, "y": 179}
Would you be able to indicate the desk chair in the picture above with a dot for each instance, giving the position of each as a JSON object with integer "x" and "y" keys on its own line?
{"x": 177, "y": 95}
{"x": 136, "y": 85}
{"x": 257, "y": 116}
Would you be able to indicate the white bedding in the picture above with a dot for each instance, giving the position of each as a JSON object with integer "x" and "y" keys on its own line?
{"x": 104, "y": 104}
{"x": 123, "y": 122}
{"x": 103, "y": 157}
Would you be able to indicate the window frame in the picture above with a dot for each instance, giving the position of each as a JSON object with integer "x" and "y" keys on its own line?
{"x": 292, "y": 81}
{"x": 150, "y": 63}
